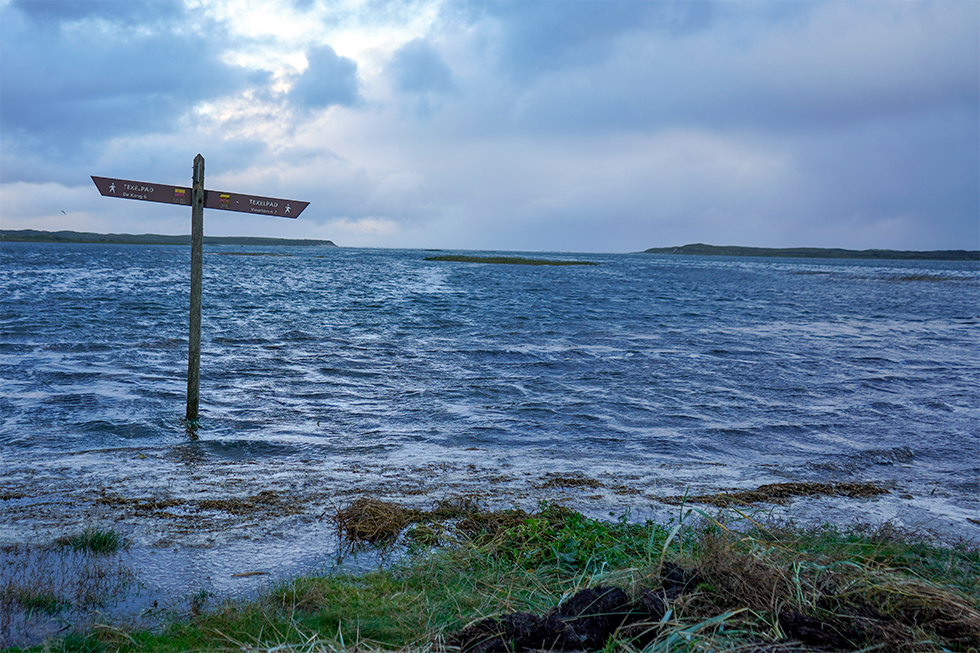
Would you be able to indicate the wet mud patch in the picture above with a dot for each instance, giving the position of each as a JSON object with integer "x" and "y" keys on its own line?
{"x": 780, "y": 493}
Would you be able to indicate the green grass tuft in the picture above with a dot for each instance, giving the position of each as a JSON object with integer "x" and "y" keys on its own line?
{"x": 44, "y": 601}
{"x": 94, "y": 540}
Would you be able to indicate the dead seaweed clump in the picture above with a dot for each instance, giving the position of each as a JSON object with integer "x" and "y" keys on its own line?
{"x": 569, "y": 481}
{"x": 139, "y": 506}
{"x": 369, "y": 520}
{"x": 780, "y": 493}
{"x": 263, "y": 503}
{"x": 372, "y": 520}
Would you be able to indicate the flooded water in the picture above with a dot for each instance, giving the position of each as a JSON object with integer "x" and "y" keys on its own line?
{"x": 329, "y": 373}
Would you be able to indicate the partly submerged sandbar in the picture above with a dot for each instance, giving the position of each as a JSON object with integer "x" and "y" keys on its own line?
{"x": 505, "y": 260}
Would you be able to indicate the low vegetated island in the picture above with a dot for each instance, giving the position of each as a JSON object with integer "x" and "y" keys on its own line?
{"x": 505, "y": 260}
{"x": 34, "y": 236}
{"x": 700, "y": 249}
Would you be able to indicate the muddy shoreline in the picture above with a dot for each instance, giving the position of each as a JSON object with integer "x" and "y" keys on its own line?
{"x": 174, "y": 498}
{"x": 198, "y": 525}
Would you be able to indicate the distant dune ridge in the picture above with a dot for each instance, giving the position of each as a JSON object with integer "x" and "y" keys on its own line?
{"x": 33, "y": 236}
{"x": 700, "y": 249}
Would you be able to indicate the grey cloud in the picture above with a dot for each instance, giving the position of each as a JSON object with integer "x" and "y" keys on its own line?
{"x": 869, "y": 108}
{"x": 174, "y": 160}
{"x": 69, "y": 83}
{"x": 923, "y": 167}
{"x": 416, "y": 67}
{"x": 817, "y": 70}
{"x": 51, "y": 13}
{"x": 540, "y": 37}
{"x": 610, "y": 125}
{"x": 329, "y": 80}
{"x": 163, "y": 160}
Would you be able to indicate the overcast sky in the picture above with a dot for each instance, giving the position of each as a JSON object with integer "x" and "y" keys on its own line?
{"x": 534, "y": 126}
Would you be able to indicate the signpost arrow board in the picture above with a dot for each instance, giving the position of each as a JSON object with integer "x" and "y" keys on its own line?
{"x": 253, "y": 204}
{"x": 142, "y": 190}
{"x": 198, "y": 199}
{"x": 213, "y": 199}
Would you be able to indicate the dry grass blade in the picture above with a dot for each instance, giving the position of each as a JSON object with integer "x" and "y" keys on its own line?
{"x": 310, "y": 642}
{"x": 851, "y": 600}
{"x": 915, "y": 605}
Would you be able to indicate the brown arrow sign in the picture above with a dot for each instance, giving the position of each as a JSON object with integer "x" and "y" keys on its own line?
{"x": 214, "y": 199}
{"x": 141, "y": 190}
{"x": 149, "y": 192}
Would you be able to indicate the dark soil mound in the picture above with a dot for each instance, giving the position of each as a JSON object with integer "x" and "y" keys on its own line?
{"x": 583, "y": 622}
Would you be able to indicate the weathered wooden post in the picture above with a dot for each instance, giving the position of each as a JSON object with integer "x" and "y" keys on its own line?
{"x": 197, "y": 272}
{"x": 199, "y": 199}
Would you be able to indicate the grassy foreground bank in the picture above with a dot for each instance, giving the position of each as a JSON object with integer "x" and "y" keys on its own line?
{"x": 477, "y": 580}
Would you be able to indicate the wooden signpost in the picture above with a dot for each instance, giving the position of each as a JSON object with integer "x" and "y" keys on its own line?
{"x": 198, "y": 199}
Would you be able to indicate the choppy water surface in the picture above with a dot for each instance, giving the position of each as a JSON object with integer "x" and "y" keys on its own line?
{"x": 327, "y": 373}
